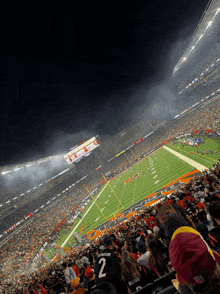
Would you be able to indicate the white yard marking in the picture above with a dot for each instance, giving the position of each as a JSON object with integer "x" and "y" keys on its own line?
{"x": 70, "y": 235}
{"x": 195, "y": 164}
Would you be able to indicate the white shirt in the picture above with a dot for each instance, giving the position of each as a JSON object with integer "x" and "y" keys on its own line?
{"x": 199, "y": 194}
{"x": 69, "y": 275}
{"x": 143, "y": 260}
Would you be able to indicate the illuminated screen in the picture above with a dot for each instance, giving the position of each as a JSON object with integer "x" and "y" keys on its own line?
{"x": 82, "y": 150}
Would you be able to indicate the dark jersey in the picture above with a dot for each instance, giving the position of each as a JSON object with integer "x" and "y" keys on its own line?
{"x": 108, "y": 266}
{"x": 136, "y": 284}
{"x": 91, "y": 285}
{"x": 108, "y": 269}
{"x": 170, "y": 217}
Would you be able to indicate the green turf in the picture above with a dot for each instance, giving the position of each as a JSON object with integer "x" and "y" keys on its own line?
{"x": 152, "y": 176}
{"x": 166, "y": 168}
{"x": 206, "y": 159}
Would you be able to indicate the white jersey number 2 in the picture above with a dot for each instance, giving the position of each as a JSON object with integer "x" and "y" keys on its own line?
{"x": 101, "y": 274}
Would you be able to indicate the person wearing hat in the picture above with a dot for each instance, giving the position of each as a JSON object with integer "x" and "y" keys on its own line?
{"x": 108, "y": 266}
{"x": 214, "y": 234}
{"x": 196, "y": 265}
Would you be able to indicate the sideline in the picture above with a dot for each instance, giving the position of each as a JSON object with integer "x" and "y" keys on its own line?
{"x": 70, "y": 235}
{"x": 192, "y": 162}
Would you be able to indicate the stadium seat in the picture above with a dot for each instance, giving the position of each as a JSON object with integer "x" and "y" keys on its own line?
{"x": 169, "y": 290}
{"x": 165, "y": 281}
{"x": 146, "y": 289}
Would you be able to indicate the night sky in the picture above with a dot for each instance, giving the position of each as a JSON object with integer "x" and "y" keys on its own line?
{"x": 74, "y": 69}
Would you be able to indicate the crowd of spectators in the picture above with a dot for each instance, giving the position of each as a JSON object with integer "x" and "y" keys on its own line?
{"x": 181, "y": 231}
{"x": 203, "y": 118}
{"x": 21, "y": 247}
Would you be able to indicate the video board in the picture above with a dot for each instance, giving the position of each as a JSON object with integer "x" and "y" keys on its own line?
{"x": 81, "y": 150}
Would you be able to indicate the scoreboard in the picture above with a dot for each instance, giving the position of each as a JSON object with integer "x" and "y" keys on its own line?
{"x": 82, "y": 150}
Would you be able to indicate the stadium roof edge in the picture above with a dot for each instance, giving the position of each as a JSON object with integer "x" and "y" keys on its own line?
{"x": 206, "y": 18}
{"x": 12, "y": 167}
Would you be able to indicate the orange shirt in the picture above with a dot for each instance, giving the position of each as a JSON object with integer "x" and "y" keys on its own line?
{"x": 75, "y": 268}
{"x": 182, "y": 204}
{"x": 136, "y": 256}
{"x": 201, "y": 205}
{"x": 189, "y": 198}
{"x": 150, "y": 221}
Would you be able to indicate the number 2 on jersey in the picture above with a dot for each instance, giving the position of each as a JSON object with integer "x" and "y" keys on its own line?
{"x": 101, "y": 274}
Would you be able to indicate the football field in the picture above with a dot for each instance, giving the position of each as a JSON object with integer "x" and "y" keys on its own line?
{"x": 134, "y": 184}
{"x": 206, "y": 159}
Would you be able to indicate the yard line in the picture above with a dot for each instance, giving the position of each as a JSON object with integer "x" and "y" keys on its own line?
{"x": 192, "y": 162}
{"x": 70, "y": 235}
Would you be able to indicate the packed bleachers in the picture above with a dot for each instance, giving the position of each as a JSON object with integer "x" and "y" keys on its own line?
{"x": 143, "y": 243}
{"x": 134, "y": 240}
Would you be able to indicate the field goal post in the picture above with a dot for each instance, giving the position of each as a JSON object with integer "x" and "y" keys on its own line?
{"x": 114, "y": 213}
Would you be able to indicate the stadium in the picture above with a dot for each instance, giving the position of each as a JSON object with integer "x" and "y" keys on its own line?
{"x": 110, "y": 195}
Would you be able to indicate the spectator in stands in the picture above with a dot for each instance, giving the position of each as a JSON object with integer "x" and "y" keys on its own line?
{"x": 143, "y": 260}
{"x": 89, "y": 282}
{"x": 76, "y": 286}
{"x": 40, "y": 289}
{"x": 196, "y": 265}
{"x": 158, "y": 257}
{"x": 214, "y": 234}
{"x": 150, "y": 221}
{"x": 69, "y": 275}
{"x": 202, "y": 225}
{"x": 170, "y": 217}
{"x": 130, "y": 273}
{"x": 75, "y": 268}
{"x": 108, "y": 268}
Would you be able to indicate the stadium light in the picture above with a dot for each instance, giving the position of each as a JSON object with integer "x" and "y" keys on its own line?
{"x": 209, "y": 24}
{"x": 3, "y": 173}
{"x": 18, "y": 168}
{"x": 217, "y": 11}
{"x": 200, "y": 37}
